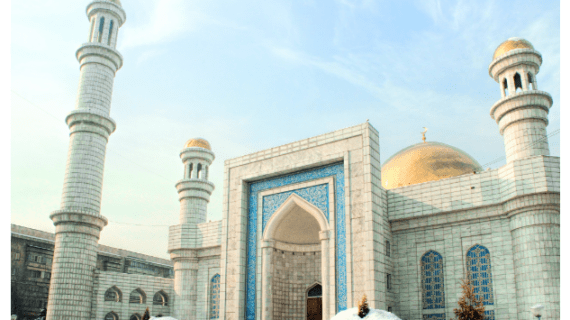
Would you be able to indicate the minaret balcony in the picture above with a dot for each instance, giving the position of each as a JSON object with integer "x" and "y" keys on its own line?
{"x": 541, "y": 101}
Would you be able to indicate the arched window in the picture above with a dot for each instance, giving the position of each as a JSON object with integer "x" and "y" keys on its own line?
{"x": 530, "y": 83}
{"x": 160, "y": 298}
{"x": 100, "y": 34}
{"x": 518, "y": 82}
{"x": 387, "y": 248}
{"x": 190, "y": 168}
{"x": 199, "y": 171}
{"x": 135, "y": 316}
{"x": 505, "y": 87}
{"x": 479, "y": 273}
{"x": 110, "y": 33}
{"x": 113, "y": 294}
{"x": 215, "y": 297}
{"x": 433, "y": 293}
{"x": 315, "y": 291}
{"x": 111, "y": 316}
{"x": 137, "y": 296}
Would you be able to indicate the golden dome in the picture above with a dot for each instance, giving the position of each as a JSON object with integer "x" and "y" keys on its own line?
{"x": 511, "y": 44}
{"x": 426, "y": 161}
{"x": 198, "y": 142}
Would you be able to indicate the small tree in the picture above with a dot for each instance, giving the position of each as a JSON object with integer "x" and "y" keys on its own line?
{"x": 363, "y": 307}
{"x": 470, "y": 307}
{"x": 146, "y": 315}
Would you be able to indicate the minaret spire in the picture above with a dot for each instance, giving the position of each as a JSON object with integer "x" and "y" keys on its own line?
{"x": 194, "y": 192}
{"x": 79, "y": 222}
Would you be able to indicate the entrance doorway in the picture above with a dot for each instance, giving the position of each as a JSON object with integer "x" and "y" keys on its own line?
{"x": 315, "y": 303}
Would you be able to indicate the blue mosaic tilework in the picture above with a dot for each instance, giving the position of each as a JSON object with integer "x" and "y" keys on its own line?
{"x": 335, "y": 170}
{"x": 215, "y": 297}
{"x": 316, "y": 195}
{"x": 435, "y": 316}
{"x": 489, "y": 314}
{"x": 479, "y": 271}
{"x": 433, "y": 293}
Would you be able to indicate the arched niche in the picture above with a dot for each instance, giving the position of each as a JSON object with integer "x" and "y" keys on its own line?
{"x": 301, "y": 226}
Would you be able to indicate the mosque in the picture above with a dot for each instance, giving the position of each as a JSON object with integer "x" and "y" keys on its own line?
{"x": 310, "y": 226}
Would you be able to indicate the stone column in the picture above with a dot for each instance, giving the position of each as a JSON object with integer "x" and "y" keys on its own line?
{"x": 266, "y": 282}
{"x": 324, "y": 236}
{"x": 536, "y": 252}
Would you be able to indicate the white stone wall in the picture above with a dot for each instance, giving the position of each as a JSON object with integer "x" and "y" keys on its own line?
{"x": 127, "y": 283}
{"x": 452, "y": 241}
{"x": 513, "y": 211}
{"x": 208, "y": 267}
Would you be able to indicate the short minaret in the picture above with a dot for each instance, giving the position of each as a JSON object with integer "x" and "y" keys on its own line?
{"x": 78, "y": 223}
{"x": 522, "y": 112}
{"x": 194, "y": 192}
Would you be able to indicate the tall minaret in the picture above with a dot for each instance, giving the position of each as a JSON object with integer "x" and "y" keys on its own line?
{"x": 534, "y": 217}
{"x": 78, "y": 223}
{"x": 522, "y": 112}
{"x": 194, "y": 192}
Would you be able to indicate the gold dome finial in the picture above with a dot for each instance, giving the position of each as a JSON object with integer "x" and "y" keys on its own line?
{"x": 424, "y": 134}
{"x": 198, "y": 142}
{"x": 512, "y": 44}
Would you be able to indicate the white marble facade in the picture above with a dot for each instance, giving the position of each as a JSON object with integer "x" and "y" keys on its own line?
{"x": 314, "y": 213}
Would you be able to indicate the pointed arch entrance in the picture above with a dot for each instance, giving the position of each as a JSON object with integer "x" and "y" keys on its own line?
{"x": 295, "y": 249}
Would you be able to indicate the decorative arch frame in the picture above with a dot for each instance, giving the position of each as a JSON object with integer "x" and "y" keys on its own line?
{"x": 118, "y": 294}
{"x": 142, "y": 296}
{"x": 292, "y": 202}
{"x": 112, "y": 314}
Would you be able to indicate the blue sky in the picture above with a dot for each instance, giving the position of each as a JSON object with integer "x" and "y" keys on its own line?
{"x": 250, "y": 75}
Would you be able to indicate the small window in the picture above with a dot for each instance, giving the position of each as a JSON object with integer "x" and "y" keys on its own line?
{"x": 389, "y": 309}
{"x": 160, "y": 299}
{"x": 137, "y": 296}
{"x": 505, "y": 87}
{"x": 100, "y": 34}
{"x": 199, "y": 172}
{"x": 388, "y": 281}
{"x": 190, "y": 168}
{"x": 530, "y": 84}
{"x": 387, "y": 248}
{"x": 47, "y": 275}
{"x": 518, "y": 82}
{"x": 14, "y": 270}
{"x": 215, "y": 297}
{"x": 110, "y": 33}
{"x": 316, "y": 291}
{"x": 35, "y": 274}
